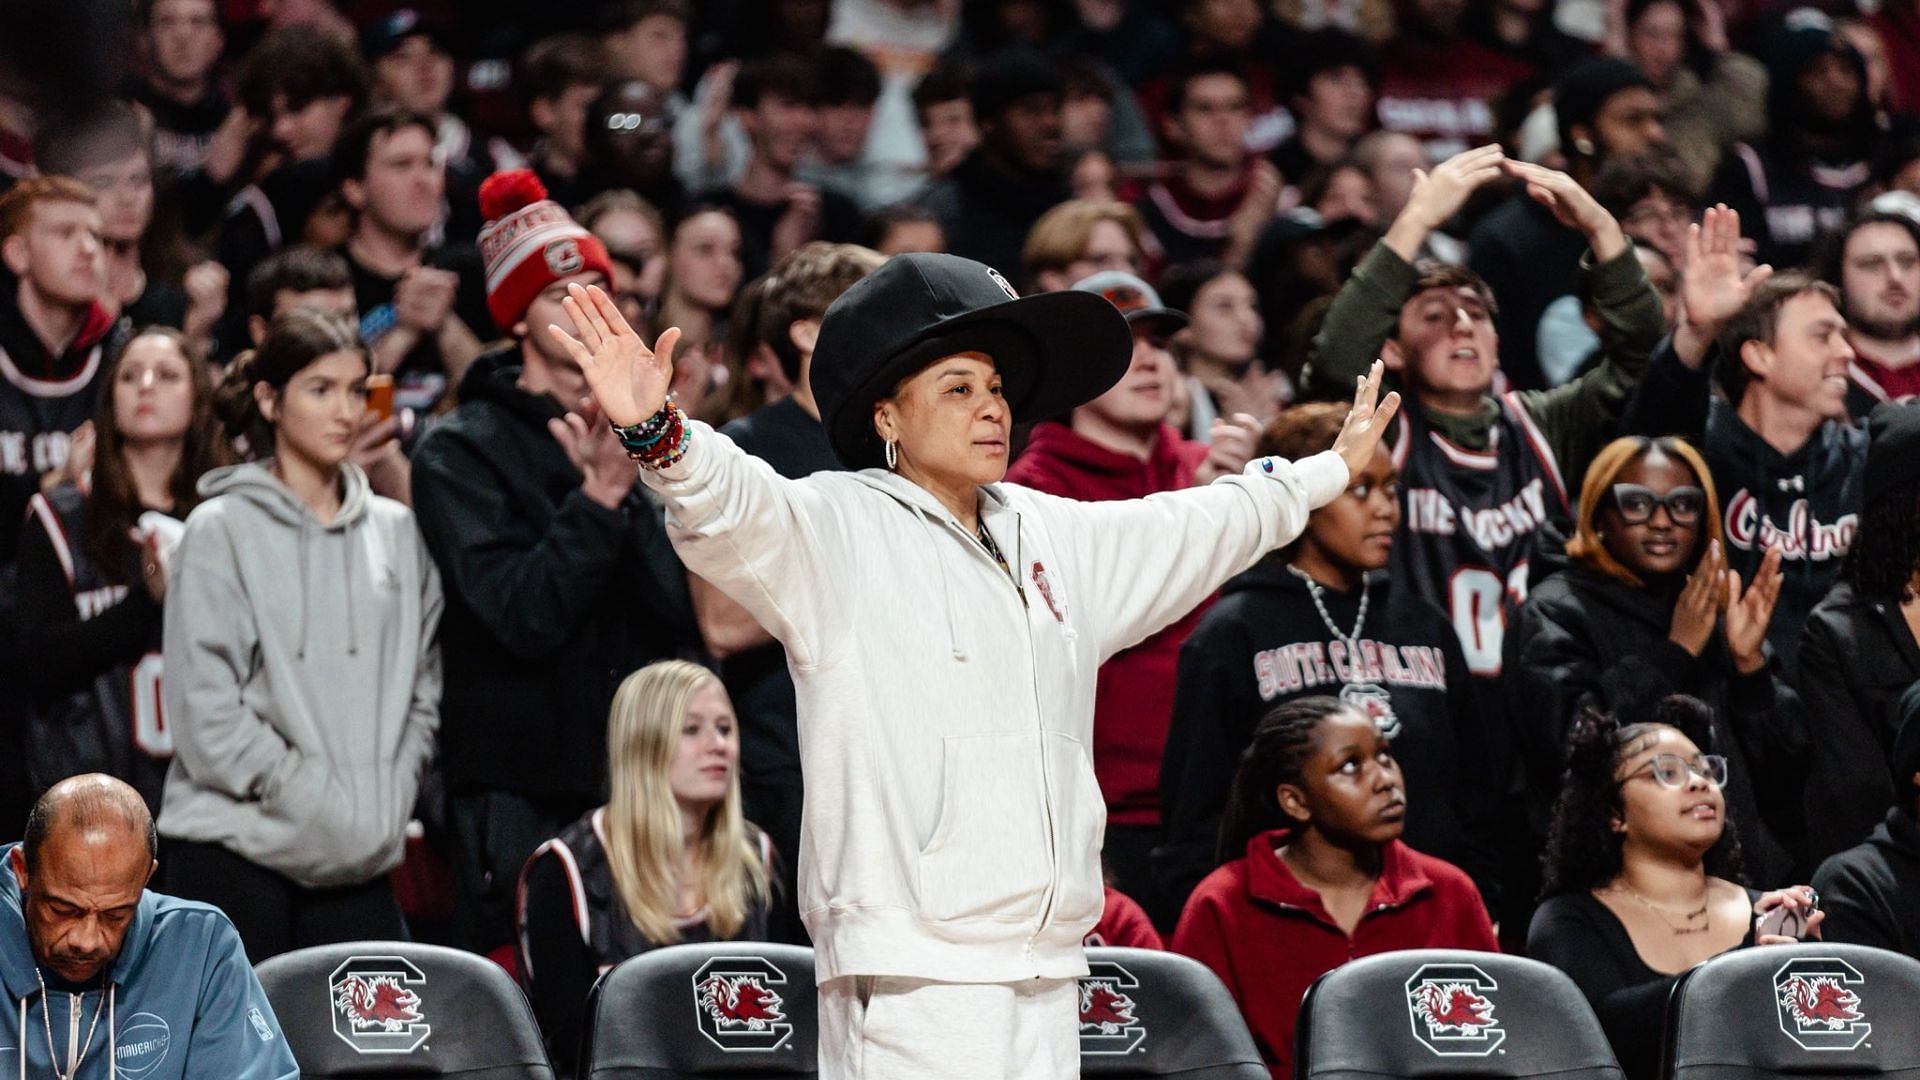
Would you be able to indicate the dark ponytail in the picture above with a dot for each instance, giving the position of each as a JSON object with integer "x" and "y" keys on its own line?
{"x": 1282, "y": 742}
{"x": 295, "y": 339}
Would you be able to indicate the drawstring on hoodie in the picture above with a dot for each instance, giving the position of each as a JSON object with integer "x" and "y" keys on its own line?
{"x": 946, "y": 592}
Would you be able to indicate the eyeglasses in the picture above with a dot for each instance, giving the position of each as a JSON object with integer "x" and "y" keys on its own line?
{"x": 1671, "y": 769}
{"x": 1636, "y": 504}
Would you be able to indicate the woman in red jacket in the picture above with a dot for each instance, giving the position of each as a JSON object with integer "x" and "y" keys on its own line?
{"x": 1318, "y": 807}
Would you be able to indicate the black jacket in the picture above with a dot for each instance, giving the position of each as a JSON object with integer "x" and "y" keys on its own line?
{"x": 1262, "y": 645}
{"x": 1584, "y": 639}
{"x": 1856, "y": 658}
{"x": 986, "y": 210}
{"x": 1871, "y": 893}
{"x": 1807, "y": 502}
{"x": 552, "y": 599}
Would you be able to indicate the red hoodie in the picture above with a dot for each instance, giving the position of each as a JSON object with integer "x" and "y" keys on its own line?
{"x": 1134, "y": 698}
{"x": 1268, "y": 937}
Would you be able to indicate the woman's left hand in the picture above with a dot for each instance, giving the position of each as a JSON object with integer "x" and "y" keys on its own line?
{"x": 1366, "y": 424}
{"x": 1749, "y": 611}
{"x": 1800, "y": 897}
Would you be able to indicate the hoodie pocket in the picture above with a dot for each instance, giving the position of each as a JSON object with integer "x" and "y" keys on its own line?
{"x": 988, "y": 856}
{"x": 1080, "y": 820}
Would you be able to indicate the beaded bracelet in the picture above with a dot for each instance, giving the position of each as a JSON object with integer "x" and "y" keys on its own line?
{"x": 659, "y": 441}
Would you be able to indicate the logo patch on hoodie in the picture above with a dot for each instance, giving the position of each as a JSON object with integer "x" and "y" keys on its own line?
{"x": 141, "y": 1045}
{"x": 376, "y": 1004}
{"x": 1045, "y": 585}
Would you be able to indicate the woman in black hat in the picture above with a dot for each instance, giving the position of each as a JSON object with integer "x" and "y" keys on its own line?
{"x": 944, "y": 631}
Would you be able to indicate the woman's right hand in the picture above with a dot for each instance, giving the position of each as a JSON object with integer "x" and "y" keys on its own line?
{"x": 1698, "y": 608}
{"x": 629, "y": 380}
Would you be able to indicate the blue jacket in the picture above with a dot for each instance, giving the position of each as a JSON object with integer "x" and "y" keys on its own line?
{"x": 182, "y": 1003}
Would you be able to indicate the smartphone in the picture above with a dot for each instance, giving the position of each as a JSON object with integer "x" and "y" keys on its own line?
{"x": 1784, "y": 921}
{"x": 380, "y": 395}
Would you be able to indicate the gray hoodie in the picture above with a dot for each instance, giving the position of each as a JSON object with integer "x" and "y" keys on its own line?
{"x": 303, "y": 682}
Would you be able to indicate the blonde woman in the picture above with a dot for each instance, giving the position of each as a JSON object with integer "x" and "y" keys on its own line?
{"x": 668, "y": 860}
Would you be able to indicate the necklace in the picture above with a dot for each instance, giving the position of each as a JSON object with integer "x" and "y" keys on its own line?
{"x": 1364, "y": 696}
{"x": 1700, "y": 912}
{"x": 46, "y": 1017}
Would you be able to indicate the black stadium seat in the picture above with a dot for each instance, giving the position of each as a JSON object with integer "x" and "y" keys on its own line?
{"x": 394, "y": 1008}
{"x": 1448, "y": 1012}
{"x": 1145, "y": 1013}
{"x": 717, "y": 1010}
{"x": 1796, "y": 1010}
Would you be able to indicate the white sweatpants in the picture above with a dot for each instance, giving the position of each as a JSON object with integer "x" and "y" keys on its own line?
{"x": 886, "y": 1028}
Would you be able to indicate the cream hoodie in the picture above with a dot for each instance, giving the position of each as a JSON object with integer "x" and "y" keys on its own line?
{"x": 952, "y": 825}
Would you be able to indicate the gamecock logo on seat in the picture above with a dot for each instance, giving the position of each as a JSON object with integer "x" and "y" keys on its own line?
{"x": 1451, "y": 1012}
{"x": 1109, "y": 1017}
{"x": 737, "y": 1006}
{"x": 1818, "y": 998}
{"x": 376, "y": 1004}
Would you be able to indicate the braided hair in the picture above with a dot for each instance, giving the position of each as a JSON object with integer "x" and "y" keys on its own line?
{"x": 1583, "y": 850}
{"x": 1282, "y": 743}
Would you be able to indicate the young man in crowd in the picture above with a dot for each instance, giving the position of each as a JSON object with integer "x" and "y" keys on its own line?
{"x": 1120, "y": 446}
{"x": 1875, "y": 262}
{"x": 413, "y": 69}
{"x": 1788, "y": 465}
{"x": 78, "y": 924}
{"x": 647, "y": 40}
{"x": 562, "y": 75}
{"x": 1331, "y": 97}
{"x": 992, "y": 198}
{"x": 849, "y": 88}
{"x": 1481, "y": 474}
{"x": 943, "y": 105}
{"x": 1605, "y": 107}
{"x": 422, "y": 310}
{"x": 183, "y": 40}
{"x": 299, "y": 276}
{"x": 1216, "y": 198}
{"x": 788, "y": 435}
{"x": 558, "y": 574}
{"x": 777, "y": 101}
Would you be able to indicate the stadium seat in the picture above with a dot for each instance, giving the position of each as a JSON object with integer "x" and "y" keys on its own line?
{"x": 1795, "y": 1010}
{"x": 1448, "y": 1012}
{"x": 715, "y": 1010}
{"x": 1145, "y": 1013}
{"x": 394, "y": 1008}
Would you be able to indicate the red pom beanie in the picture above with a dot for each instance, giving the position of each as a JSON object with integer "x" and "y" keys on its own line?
{"x": 530, "y": 242}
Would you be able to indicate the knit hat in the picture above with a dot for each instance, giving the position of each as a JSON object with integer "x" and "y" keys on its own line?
{"x": 1583, "y": 91}
{"x": 529, "y": 243}
{"x": 1893, "y": 447}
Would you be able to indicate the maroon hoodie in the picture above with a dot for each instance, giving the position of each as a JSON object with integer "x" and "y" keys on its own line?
{"x": 1268, "y": 937}
{"x": 1134, "y": 698}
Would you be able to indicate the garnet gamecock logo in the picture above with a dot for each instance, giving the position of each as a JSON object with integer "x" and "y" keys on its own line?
{"x": 1109, "y": 1016}
{"x": 376, "y": 1004}
{"x": 737, "y": 1006}
{"x": 1818, "y": 998}
{"x": 1451, "y": 1012}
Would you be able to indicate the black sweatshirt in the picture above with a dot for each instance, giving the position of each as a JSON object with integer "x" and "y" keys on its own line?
{"x": 1577, "y": 934}
{"x": 552, "y": 599}
{"x": 1585, "y": 639}
{"x": 1262, "y": 645}
{"x": 1871, "y": 893}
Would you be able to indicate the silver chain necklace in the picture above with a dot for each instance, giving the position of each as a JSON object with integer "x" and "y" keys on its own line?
{"x": 46, "y": 1017}
{"x": 1366, "y": 697}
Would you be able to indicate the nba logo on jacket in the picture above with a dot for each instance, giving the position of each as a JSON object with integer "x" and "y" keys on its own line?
{"x": 737, "y": 1005}
{"x": 1451, "y": 1012}
{"x": 377, "y": 1004}
{"x": 1818, "y": 998}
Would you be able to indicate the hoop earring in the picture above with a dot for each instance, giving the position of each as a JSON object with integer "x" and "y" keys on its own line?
{"x": 892, "y": 455}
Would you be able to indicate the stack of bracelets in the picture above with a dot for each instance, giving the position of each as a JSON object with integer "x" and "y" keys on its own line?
{"x": 658, "y": 441}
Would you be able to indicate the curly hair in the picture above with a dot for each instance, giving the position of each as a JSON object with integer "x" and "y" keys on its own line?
{"x": 1583, "y": 850}
{"x": 1886, "y": 549}
{"x": 1282, "y": 743}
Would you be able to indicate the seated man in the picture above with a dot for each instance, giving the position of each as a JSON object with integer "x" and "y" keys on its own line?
{"x": 80, "y": 934}
{"x": 1871, "y": 893}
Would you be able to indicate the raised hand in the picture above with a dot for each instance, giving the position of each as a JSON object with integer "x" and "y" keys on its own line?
{"x": 1748, "y": 613}
{"x": 1366, "y": 424}
{"x": 1572, "y": 206}
{"x": 628, "y": 379}
{"x": 1698, "y": 607}
{"x": 1438, "y": 195}
{"x": 1712, "y": 286}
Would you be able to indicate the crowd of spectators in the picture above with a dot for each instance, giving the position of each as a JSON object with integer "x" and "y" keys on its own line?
{"x": 312, "y": 534}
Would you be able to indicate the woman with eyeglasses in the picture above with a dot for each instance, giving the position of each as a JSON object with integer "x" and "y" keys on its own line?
{"x": 1642, "y": 873}
{"x": 1646, "y": 608}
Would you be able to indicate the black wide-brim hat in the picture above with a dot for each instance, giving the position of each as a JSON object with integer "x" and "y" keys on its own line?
{"x": 1054, "y": 351}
